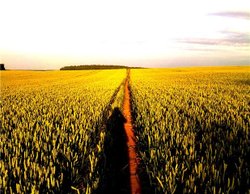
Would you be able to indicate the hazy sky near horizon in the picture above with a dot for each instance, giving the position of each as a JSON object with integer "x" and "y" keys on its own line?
{"x": 46, "y": 34}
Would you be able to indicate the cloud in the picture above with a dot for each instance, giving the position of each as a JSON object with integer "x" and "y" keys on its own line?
{"x": 230, "y": 39}
{"x": 237, "y": 38}
{"x": 234, "y": 14}
{"x": 201, "y": 41}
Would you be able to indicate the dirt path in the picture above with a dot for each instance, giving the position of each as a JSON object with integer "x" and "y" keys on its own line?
{"x": 131, "y": 144}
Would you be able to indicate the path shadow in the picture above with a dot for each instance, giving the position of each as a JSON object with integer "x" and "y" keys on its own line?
{"x": 116, "y": 170}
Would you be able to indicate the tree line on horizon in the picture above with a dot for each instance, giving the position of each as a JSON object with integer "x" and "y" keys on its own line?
{"x": 92, "y": 67}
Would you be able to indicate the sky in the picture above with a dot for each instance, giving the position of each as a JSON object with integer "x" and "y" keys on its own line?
{"x": 49, "y": 34}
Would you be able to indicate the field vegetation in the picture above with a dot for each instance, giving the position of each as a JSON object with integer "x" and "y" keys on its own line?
{"x": 62, "y": 131}
{"x": 50, "y": 136}
{"x": 192, "y": 129}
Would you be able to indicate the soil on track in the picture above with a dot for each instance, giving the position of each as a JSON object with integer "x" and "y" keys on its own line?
{"x": 133, "y": 161}
{"x": 121, "y": 162}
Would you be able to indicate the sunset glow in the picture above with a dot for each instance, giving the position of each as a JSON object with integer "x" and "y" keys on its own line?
{"x": 50, "y": 34}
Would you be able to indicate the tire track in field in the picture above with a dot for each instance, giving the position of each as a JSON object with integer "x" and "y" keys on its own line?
{"x": 114, "y": 163}
{"x": 108, "y": 108}
{"x": 102, "y": 125}
{"x": 133, "y": 162}
{"x": 120, "y": 158}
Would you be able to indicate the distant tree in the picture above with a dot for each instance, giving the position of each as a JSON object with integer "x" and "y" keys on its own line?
{"x": 2, "y": 67}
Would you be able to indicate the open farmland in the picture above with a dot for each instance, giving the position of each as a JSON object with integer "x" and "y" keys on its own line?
{"x": 50, "y": 137}
{"x": 192, "y": 127}
{"x": 67, "y": 131}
